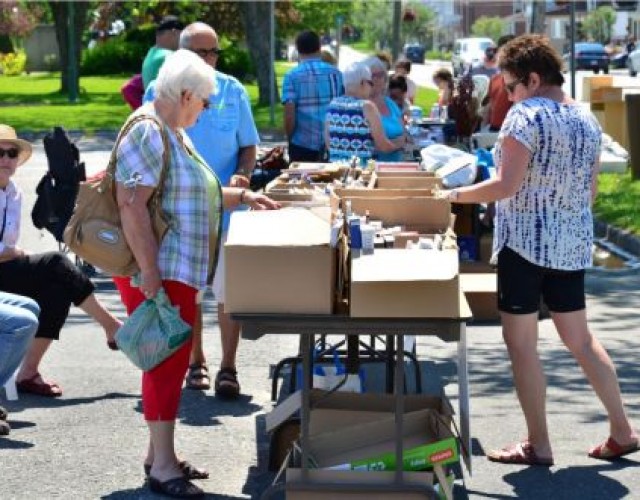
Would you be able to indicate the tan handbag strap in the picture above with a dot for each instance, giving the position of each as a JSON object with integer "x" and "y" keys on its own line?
{"x": 111, "y": 167}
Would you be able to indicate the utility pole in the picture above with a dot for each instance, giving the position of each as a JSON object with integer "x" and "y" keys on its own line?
{"x": 395, "y": 43}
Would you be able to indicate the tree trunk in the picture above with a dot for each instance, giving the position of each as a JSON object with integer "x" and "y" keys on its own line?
{"x": 257, "y": 19}
{"x": 60, "y": 11}
{"x": 538, "y": 12}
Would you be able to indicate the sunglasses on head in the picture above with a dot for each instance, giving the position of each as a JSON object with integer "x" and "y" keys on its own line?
{"x": 11, "y": 153}
{"x": 207, "y": 52}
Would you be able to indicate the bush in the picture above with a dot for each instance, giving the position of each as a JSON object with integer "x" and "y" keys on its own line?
{"x": 13, "y": 63}
{"x": 235, "y": 61}
{"x": 438, "y": 55}
{"x": 145, "y": 34}
{"x": 113, "y": 56}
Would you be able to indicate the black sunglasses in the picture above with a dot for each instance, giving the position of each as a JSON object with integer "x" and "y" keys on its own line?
{"x": 511, "y": 86}
{"x": 207, "y": 52}
{"x": 11, "y": 153}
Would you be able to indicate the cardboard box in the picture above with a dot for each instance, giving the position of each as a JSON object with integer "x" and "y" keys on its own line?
{"x": 374, "y": 479}
{"x": 406, "y": 182}
{"x": 344, "y": 444}
{"x": 390, "y": 171}
{"x": 401, "y": 283}
{"x": 481, "y": 291}
{"x": 279, "y": 261}
{"x": 419, "y": 213}
{"x": 351, "y": 408}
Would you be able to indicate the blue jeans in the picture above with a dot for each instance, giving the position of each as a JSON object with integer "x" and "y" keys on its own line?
{"x": 18, "y": 325}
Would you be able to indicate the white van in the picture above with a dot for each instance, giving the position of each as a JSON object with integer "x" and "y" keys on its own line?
{"x": 469, "y": 52}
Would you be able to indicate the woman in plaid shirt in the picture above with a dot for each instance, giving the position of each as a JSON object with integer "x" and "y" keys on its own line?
{"x": 183, "y": 263}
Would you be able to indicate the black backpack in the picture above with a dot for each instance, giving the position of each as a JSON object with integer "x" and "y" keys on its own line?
{"x": 58, "y": 188}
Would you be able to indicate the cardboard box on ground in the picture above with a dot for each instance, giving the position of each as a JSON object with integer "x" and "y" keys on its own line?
{"x": 366, "y": 431}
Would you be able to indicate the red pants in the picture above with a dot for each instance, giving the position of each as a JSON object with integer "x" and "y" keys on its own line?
{"x": 161, "y": 386}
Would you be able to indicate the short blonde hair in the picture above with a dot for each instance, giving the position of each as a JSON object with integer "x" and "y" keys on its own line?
{"x": 184, "y": 71}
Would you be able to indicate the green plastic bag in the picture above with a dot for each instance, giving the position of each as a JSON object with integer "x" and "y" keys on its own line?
{"x": 153, "y": 332}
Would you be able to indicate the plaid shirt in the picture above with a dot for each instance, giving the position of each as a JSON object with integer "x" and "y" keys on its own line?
{"x": 310, "y": 86}
{"x": 184, "y": 251}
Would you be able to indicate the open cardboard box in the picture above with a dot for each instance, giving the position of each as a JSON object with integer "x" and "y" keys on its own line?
{"x": 403, "y": 283}
{"x": 405, "y": 182}
{"x": 481, "y": 292}
{"x": 373, "y": 479}
{"x": 279, "y": 261}
{"x": 335, "y": 415}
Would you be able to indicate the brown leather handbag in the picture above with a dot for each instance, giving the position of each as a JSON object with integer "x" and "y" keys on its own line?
{"x": 94, "y": 232}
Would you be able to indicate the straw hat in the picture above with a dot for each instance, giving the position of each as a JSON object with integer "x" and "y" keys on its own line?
{"x": 8, "y": 134}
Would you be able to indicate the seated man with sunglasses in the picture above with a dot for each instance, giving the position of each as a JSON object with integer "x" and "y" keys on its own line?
{"x": 226, "y": 137}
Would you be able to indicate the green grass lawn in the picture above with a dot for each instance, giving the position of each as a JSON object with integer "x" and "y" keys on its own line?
{"x": 34, "y": 103}
{"x": 617, "y": 201}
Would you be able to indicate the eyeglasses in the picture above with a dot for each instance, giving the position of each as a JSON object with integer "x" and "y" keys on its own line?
{"x": 215, "y": 51}
{"x": 11, "y": 153}
{"x": 370, "y": 82}
{"x": 379, "y": 75}
{"x": 511, "y": 86}
{"x": 205, "y": 103}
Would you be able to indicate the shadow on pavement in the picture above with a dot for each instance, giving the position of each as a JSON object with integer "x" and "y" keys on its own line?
{"x": 6, "y": 443}
{"x": 144, "y": 493}
{"x": 200, "y": 408}
{"x": 34, "y": 401}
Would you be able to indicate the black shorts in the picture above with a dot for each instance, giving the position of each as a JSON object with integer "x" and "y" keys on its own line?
{"x": 521, "y": 284}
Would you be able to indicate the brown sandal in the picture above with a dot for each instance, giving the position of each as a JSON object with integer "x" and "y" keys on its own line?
{"x": 39, "y": 387}
{"x": 227, "y": 385}
{"x": 519, "y": 454}
{"x": 612, "y": 450}
{"x": 198, "y": 377}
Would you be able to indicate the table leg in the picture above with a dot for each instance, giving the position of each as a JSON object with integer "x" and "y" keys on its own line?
{"x": 463, "y": 395}
{"x": 305, "y": 410}
{"x": 399, "y": 404}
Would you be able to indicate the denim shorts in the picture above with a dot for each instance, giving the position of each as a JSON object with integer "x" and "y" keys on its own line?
{"x": 521, "y": 284}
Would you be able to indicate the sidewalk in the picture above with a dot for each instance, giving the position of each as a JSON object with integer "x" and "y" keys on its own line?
{"x": 90, "y": 443}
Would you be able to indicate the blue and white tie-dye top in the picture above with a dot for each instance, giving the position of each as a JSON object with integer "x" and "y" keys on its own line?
{"x": 548, "y": 221}
{"x": 349, "y": 132}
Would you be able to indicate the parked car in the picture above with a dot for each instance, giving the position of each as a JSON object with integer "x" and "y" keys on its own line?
{"x": 589, "y": 56}
{"x": 414, "y": 52}
{"x": 468, "y": 52}
{"x": 633, "y": 62}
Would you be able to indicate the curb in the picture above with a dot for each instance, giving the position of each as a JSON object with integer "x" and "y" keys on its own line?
{"x": 624, "y": 239}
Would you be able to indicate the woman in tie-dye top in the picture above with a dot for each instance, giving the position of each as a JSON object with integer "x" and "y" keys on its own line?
{"x": 548, "y": 156}
{"x": 353, "y": 125}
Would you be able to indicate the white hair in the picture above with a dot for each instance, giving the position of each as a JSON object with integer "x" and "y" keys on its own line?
{"x": 374, "y": 63}
{"x": 184, "y": 70}
{"x": 187, "y": 34}
{"x": 353, "y": 75}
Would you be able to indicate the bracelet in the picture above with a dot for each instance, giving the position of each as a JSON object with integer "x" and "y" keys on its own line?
{"x": 242, "y": 196}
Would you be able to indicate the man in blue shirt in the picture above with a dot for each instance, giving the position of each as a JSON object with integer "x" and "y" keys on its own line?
{"x": 225, "y": 135}
{"x": 307, "y": 91}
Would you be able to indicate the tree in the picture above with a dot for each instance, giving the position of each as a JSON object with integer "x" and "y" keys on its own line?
{"x": 320, "y": 17}
{"x": 257, "y": 18}
{"x": 374, "y": 18}
{"x": 598, "y": 24}
{"x": 490, "y": 27}
{"x": 417, "y": 22}
{"x": 60, "y": 12}
{"x": 17, "y": 21}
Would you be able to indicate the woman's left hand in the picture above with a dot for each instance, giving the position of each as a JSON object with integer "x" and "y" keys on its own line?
{"x": 258, "y": 201}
